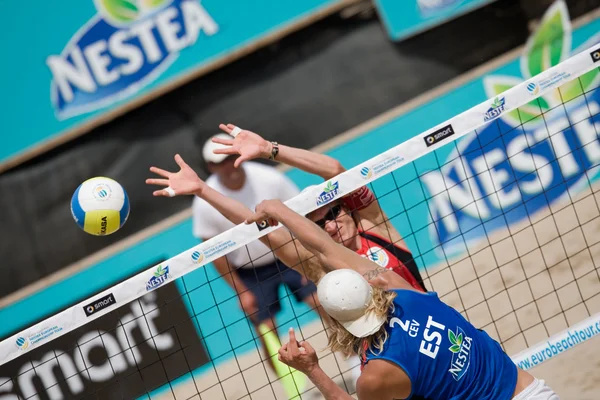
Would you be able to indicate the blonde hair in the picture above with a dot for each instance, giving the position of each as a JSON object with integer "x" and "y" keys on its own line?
{"x": 343, "y": 341}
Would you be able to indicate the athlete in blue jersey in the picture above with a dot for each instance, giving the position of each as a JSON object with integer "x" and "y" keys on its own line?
{"x": 413, "y": 344}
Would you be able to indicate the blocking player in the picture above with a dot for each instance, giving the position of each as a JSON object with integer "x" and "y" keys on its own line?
{"x": 412, "y": 343}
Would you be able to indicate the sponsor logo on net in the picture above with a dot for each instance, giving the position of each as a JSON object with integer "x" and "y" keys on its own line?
{"x": 160, "y": 276}
{"x": 533, "y": 88}
{"x": 329, "y": 193}
{"x": 461, "y": 353}
{"x": 197, "y": 257}
{"x": 496, "y": 109}
{"x": 24, "y": 342}
{"x": 124, "y": 47}
{"x": 429, "y": 7}
{"x": 554, "y": 81}
{"x": 380, "y": 168}
{"x": 100, "y": 304}
{"x": 595, "y": 55}
{"x": 439, "y": 135}
{"x": 218, "y": 248}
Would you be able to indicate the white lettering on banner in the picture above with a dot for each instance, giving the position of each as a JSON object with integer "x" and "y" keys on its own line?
{"x": 120, "y": 348}
{"x": 474, "y": 185}
{"x": 427, "y": 347}
{"x": 127, "y": 50}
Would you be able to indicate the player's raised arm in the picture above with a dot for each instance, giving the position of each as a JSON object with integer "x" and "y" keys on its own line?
{"x": 331, "y": 254}
{"x": 250, "y": 145}
{"x": 187, "y": 182}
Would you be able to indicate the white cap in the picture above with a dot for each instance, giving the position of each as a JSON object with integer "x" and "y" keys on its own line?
{"x": 345, "y": 295}
{"x": 209, "y": 146}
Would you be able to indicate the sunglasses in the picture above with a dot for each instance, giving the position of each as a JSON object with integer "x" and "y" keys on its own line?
{"x": 331, "y": 215}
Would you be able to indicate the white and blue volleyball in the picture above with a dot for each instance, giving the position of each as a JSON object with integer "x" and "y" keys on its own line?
{"x": 100, "y": 206}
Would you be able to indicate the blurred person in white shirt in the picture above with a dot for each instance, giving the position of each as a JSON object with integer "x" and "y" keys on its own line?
{"x": 253, "y": 272}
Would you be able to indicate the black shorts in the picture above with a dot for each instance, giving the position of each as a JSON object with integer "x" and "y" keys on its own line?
{"x": 264, "y": 283}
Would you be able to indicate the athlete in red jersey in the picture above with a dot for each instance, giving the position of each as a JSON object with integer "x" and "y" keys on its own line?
{"x": 356, "y": 221}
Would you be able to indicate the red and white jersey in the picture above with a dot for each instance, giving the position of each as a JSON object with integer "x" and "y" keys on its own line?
{"x": 386, "y": 259}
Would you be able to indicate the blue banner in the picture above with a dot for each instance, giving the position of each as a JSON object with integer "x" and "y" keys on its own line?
{"x": 74, "y": 60}
{"x": 409, "y": 17}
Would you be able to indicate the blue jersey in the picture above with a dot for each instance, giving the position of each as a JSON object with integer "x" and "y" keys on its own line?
{"x": 444, "y": 356}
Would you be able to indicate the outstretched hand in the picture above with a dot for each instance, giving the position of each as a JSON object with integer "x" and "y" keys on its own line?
{"x": 298, "y": 355}
{"x": 183, "y": 182}
{"x": 247, "y": 144}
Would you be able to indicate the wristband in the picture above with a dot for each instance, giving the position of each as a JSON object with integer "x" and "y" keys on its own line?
{"x": 359, "y": 199}
{"x": 274, "y": 150}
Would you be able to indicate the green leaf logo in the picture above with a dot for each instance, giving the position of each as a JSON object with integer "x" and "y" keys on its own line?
{"x": 159, "y": 271}
{"x": 150, "y": 4}
{"x": 124, "y": 12}
{"x": 329, "y": 187}
{"x": 455, "y": 340}
{"x": 120, "y": 11}
{"x": 550, "y": 43}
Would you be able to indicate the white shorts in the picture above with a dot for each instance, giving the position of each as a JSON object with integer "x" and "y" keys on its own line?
{"x": 537, "y": 390}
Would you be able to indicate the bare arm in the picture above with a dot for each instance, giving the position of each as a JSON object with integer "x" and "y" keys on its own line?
{"x": 187, "y": 182}
{"x": 250, "y": 146}
{"x": 318, "y": 242}
{"x": 303, "y": 357}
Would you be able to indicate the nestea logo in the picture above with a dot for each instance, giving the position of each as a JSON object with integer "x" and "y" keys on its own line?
{"x": 160, "y": 276}
{"x": 329, "y": 193}
{"x": 461, "y": 353}
{"x": 123, "y": 48}
{"x": 496, "y": 109}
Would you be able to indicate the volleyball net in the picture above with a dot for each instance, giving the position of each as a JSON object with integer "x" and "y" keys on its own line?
{"x": 498, "y": 205}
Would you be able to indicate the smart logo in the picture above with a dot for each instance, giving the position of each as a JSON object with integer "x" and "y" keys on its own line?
{"x": 461, "y": 353}
{"x": 99, "y": 304}
{"x": 124, "y": 47}
{"x": 22, "y": 343}
{"x": 329, "y": 193}
{"x": 366, "y": 172}
{"x": 160, "y": 276}
{"x": 496, "y": 109}
{"x": 439, "y": 135}
{"x": 197, "y": 257}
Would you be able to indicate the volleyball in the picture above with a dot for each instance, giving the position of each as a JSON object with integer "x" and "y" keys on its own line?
{"x": 100, "y": 206}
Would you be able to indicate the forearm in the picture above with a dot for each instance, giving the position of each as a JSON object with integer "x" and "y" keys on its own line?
{"x": 327, "y": 386}
{"x": 307, "y": 232}
{"x": 311, "y": 162}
